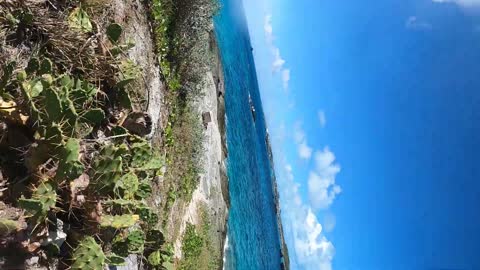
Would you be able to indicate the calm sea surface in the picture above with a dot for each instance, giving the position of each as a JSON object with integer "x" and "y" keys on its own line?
{"x": 253, "y": 238}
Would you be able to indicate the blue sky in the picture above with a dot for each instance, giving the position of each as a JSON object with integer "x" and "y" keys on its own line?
{"x": 373, "y": 109}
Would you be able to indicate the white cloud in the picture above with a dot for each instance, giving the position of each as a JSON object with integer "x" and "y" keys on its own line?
{"x": 278, "y": 61}
{"x": 464, "y": 3}
{"x": 329, "y": 222}
{"x": 299, "y": 134}
{"x": 304, "y": 150}
{"x": 268, "y": 28}
{"x": 322, "y": 118}
{"x": 311, "y": 248}
{"x": 414, "y": 23}
{"x": 285, "y": 78}
{"x": 322, "y": 188}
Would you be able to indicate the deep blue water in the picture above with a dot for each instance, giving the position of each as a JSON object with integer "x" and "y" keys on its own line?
{"x": 252, "y": 226}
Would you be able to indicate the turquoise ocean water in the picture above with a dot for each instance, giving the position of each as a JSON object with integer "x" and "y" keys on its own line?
{"x": 253, "y": 237}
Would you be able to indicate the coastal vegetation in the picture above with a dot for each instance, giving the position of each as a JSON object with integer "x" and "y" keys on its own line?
{"x": 183, "y": 61}
{"x": 198, "y": 252}
{"x": 183, "y": 40}
{"x": 79, "y": 171}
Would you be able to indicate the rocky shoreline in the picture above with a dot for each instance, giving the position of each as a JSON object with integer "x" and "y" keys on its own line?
{"x": 276, "y": 194}
{"x": 212, "y": 191}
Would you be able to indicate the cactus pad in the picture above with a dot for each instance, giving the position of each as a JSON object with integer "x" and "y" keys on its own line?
{"x": 119, "y": 222}
{"x": 93, "y": 116}
{"x": 136, "y": 242}
{"x": 7, "y": 226}
{"x": 155, "y": 258}
{"x": 154, "y": 239}
{"x": 88, "y": 255}
{"x": 144, "y": 190}
{"x": 43, "y": 199}
{"x": 46, "y": 66}
{"x": 32, "y": 66}
{"x": 115, "y": 260}
{"x": 69, "y": 166}
{"x": 114, "y": 31}
{"x": 79, "y": 19}
{"x": 127, "y": 185}
{"x": 53, "y": 105}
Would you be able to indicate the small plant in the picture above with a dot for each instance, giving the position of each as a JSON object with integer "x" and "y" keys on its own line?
{"x": 79, "y": 19}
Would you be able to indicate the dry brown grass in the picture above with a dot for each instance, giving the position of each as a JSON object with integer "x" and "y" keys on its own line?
{"x": 48, "y": 33}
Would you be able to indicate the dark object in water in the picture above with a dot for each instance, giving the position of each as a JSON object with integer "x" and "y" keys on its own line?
{"x": 206, "y": 118}
{"x": 252, "y": 108}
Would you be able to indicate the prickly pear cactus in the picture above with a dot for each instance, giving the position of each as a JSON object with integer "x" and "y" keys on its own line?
{"x": 107, "y": 171}
{"x": 79, "y": 19}
{"x": 82, "y": 130}
{"x": 43, "y": 199}
{"x": 32, "y": 66}
{"x": 70, "y": 116}
{"x": 53, "y": 135}
{"x": 108, "y": 166}
{"x": 115, "y": 260}
{"x": 155, "y": 258}
{"x": 46, "y": 195}
{"x": 93, "y": 116}
{"x": 32, "y": 89}
{"x": 53, "y": 105}
{"x": 159, "y": 260}
{"x": 128, "y": 72}
{"x": 82, "y": 92}
{"x": 69, "y": 166}
{"x": 7, "y": 226}
{"x": 88, "y": 255}
{"x": 147, "y": 215}
{"x": 142, "y": 155}
{"x": 154, "y": 239}
{"x": 114, "y": 31}
{"x": 127, "y": 186}
{"x": 144, "y": 190}
{"x": 136, "y": 241}
{"x": 46, "y": 66}
{"x": 119, "y": 222}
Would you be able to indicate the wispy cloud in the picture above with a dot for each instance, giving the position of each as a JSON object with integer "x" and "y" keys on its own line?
{"x": 278, "y": 62}
{"x": 322, "y": 118}
{"x": 268, "y": 28}
{"x": 464, "y": 3}
{"x": 416, "y": 24}
{"x": 311, "y": 248}
{"x": 322, "y": 188}
{"x": 304, "y": 150}
{"x": 329, "y": 222}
